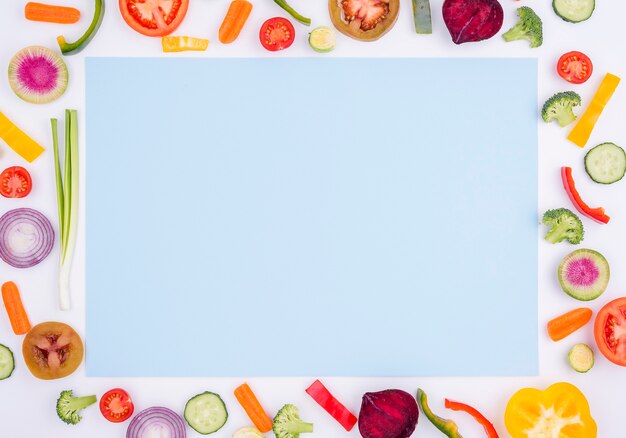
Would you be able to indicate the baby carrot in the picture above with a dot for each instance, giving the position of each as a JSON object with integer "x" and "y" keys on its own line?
{"x": 253, "y": 408}
{"x": 566, "y": 324}
{"x": 51, "y": 13}
{"x": 238, "y": 13}
{"x": 15, "y": 308}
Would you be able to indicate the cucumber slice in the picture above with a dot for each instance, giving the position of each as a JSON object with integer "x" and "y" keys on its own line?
{"x": 206, "y": 413}
{"x": 606, "y": 163}
{"x": 580, "y": 357}
{"x": 574, "y": 11}
{"x": 421, "y": 17}
{"x": 322, "y": 39}
{"x": 7, "y": 362}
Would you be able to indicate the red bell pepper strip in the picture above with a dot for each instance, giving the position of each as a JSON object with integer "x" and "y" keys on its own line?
{"x": 456, "y": 406}
{"x": 597, "y": 214}
{"x": 325, "y": 399}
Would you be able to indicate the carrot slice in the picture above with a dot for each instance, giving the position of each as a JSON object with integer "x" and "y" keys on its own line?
{"x": 566, "y": 324}
{"x": 253, "y": 408}
{"x": 51, "y": 13}
{"x": 15, "y": 308}
{"x": 238, "y": 13}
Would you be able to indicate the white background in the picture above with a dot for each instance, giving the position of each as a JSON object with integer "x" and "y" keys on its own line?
{"x": 27, "y": 404}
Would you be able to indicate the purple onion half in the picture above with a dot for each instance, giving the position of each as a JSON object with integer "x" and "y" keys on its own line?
{"x": 26, "y": 237}
{"x": 156, "y": 421}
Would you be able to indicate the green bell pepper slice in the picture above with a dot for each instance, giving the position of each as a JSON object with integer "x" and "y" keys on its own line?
{"x": 448, "y": 427}
{"x": 81, "y": 43}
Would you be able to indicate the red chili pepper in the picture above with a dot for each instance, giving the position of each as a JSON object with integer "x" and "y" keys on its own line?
{"x": 597, "y": 214}
{"x": 456, "y": 406}
{"x": 325, "y": 399}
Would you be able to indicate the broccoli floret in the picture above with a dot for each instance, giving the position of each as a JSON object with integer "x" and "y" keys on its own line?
{"x": 564, "y": 225}
{"x": 68, "y": 407}
{"x": 560, "y": 107}
{"x": 287, "y": 423}
{"x": 529, "y": 27}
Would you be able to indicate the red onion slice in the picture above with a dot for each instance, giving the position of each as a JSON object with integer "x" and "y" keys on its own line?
{"x": 26, "y": 237}
{"x": 156, "y": 422}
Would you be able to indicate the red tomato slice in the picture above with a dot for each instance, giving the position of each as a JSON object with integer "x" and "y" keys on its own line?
{"x": 15, "y": 182}
{"x": 574, "y": 67}
{"x": 116, "y": 405}
{"x": 154, "y": 17}
{"x": 610, "y": 331}
{"x": 277, "y": 34}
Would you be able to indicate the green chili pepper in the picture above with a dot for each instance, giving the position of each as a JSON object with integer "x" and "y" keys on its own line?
{"x": 283, "y": 4}
{"x": 81, "y": 43}
{"x": 448, "y": 427}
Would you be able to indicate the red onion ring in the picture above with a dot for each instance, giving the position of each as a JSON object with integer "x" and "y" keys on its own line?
{"x": 156, "y": 419}
{"x": 26, "y": 237}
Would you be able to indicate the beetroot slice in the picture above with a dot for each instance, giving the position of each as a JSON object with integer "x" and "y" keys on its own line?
{"x": 392, "y": 413}
{"x": 472, "y": 20}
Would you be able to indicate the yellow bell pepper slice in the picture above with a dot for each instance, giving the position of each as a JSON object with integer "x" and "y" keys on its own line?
{"x": 581, "y": 132}
{"x": 17, "y": 140}
{"x": 561, "y": 411}
{"x": 183, "y": 43}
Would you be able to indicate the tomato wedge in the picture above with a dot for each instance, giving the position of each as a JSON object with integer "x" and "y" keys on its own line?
{"x": 116, "y": 405}
{"x": 610, "y": 331}
{"x": 277, "y": 34}
{"x": 15, "y": 182}
{"x": 574, "y": 67}
{"x": 154, "y": 17}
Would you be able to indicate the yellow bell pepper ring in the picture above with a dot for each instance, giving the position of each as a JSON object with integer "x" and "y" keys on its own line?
{"x": 561, "y": 411}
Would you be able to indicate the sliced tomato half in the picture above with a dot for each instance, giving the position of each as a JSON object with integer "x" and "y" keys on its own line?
{"x": 15, "y": 182}
{"x": 610, "y": 331}
{"x": 154, "y": 17}
{"x": 116, "y": 405}
{"x": 575, "y": 67}
{"x": 277, "y": 34}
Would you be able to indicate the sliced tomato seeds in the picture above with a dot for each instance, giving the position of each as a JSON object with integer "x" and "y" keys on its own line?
{"x": 277, "y": 34}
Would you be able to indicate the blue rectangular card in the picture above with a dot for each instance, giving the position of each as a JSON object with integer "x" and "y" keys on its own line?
{"x": 311, "y": 217}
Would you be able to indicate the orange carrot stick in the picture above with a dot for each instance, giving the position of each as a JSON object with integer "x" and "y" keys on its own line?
{"x": 253, "y": 408}
{"x": 51, "y": 13}
{"x": 238, "y": 13}
{"x": 15, "y": 308}
{"x": 566, "y": 324}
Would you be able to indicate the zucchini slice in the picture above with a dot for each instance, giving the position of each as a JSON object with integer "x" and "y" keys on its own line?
{"x": 580, "y": 357}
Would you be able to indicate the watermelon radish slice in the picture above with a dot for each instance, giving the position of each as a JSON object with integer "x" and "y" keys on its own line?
{"x": 38, "y": 75}
{"x": 584, "y": 274}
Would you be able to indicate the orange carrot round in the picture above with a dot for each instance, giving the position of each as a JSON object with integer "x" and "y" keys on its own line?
{"x": 253, "y": 408}
{"x": 51, "y": 13}
{"x": 238, "y": 13}
{"x": 15, "y": 308}
{"x": 566, "y": 324}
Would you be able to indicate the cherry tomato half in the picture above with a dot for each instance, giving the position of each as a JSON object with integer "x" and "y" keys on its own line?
{"x": 574, "y": 67}
{"x": 154, "y": 17}
{"x": 116, "y": 405}
{"x": 15, "y": 182}
{"x": 277, "y": 34}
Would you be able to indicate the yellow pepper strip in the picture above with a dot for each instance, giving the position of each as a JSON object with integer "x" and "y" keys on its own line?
{"x": 17, "y": 140}
{"x": 561, "y": 411}
{"x": 183, "y": 43}
{"x": 581, "y": 132}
